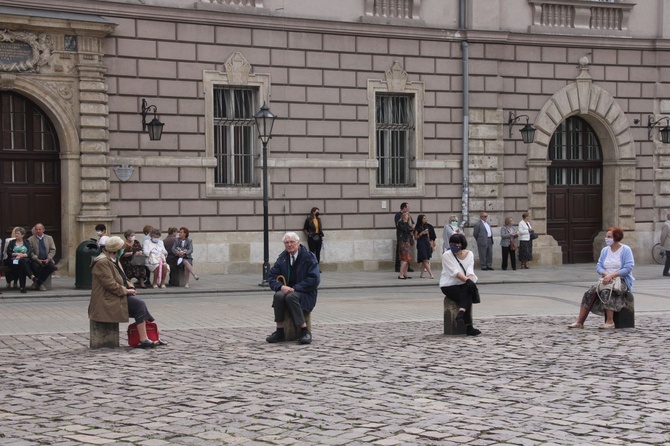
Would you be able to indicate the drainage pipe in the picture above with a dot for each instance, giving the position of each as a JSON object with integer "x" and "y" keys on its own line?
{"x": 465, "y": 209}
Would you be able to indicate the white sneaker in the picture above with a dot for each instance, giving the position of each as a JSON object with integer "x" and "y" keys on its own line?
{"x": 187, "y": 286}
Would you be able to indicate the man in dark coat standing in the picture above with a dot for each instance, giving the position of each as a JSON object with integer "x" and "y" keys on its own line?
{"x": 300, "y": 270}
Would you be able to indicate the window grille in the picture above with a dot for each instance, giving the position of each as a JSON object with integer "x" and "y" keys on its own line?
{"x": 234, "y": 136}
{"x": 394, "y": 117}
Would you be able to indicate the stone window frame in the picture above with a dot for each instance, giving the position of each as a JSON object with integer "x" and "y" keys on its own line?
{"x": 237, "y": 74}
{"x": 396, "y": 83}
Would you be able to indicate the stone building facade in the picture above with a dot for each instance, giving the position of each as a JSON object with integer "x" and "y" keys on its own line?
{"x": 378, "y": 102}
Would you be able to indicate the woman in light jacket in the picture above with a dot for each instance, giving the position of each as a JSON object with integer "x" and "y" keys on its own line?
{"x": 449, "y": 229}
{"x": 113, "y": 296}
{"x": 457, "y": 281}
{"x": 156, "y": 254}
{"x": 525, "y": 243}
{"x": 616, "y": 260}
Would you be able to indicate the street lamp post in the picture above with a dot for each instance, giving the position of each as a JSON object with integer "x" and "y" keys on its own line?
{"x": 264, "y": 122}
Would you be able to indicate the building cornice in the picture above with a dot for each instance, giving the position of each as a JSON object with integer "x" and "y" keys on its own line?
{"x": 257, "y": 18}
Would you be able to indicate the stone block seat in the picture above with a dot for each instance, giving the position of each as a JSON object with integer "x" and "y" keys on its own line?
{"x": 450, "y": 311}
{"x": 626, "y": 317}
{"x": 104, "y": 335}
{"x": 177, "y": 276}
{"x": 289, "y": 327}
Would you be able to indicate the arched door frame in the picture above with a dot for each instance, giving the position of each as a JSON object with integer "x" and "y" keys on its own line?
{"x": 597, "y": 107}
{"x": 63, "y": 120}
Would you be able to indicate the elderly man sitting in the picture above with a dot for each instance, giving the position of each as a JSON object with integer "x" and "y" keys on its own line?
{"x": 297, "y": 292}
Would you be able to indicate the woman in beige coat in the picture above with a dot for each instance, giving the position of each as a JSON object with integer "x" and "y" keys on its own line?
{"x": 113, "y": 296}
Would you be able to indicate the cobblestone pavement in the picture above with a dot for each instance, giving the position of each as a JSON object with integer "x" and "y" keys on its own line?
{"x": 526, "y": 381}
{"x": 379, "y": 372}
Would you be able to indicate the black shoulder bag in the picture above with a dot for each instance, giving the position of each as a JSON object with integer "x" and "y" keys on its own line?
{"x": 475, "y": 291}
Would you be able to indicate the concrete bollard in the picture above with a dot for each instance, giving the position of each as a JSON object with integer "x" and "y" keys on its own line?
{"x": 450, "y": 311}
{"x": 104, "y": 335}
{"x": 626, "y": 317}
{"x": 289, "y": 327}
{"x": 177, "y": 276}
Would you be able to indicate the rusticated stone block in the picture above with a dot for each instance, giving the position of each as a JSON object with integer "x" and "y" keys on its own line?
{"x": 290, "y": 332}
{"x": 104, "y": 335}
{"x": 450, "y": 311}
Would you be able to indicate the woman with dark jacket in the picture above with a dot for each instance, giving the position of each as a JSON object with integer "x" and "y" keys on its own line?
{"x": 18, "y": 257}
{"x": 183, "y": 249}
{"x": 113, "y": 296}
{"x": 425, "y": 240}
{"x": 314, "y": 232}
{"x": 405, "y": 232}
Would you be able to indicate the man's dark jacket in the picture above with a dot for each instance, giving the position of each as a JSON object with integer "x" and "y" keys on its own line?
{"x": 307, "y": 276}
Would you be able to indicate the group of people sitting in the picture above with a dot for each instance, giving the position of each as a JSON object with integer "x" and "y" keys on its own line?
{"x": 31, "y": 257}
{"x": 152, "y": 255}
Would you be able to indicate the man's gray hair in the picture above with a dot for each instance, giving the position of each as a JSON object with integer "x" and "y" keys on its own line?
{"x": 291, "y": 235}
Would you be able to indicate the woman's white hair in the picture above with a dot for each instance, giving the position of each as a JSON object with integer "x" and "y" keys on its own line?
{"x": 290, "y": 235}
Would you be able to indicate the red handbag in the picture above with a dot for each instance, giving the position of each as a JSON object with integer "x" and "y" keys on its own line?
{"x": 134, "y": 336}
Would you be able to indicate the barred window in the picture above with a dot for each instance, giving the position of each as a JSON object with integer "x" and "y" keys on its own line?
{"x": 394, "y": 126}
{"x": 234, "y": 136}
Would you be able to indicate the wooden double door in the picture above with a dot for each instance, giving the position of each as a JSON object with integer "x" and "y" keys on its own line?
{"x": 574, "y": 190}
{"x": 30, "y": 183}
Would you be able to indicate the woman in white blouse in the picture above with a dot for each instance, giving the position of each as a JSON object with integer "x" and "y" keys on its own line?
{"x": 156, "y": 254}
{"x": 525, "y": 243}
{"x": 458, "y": 278}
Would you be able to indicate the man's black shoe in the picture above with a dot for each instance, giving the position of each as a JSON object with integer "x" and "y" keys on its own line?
{"x": 305, "y": 337}
{"x": 410, "y": 270}
{"x": 490, "y": 269}
{"x": 666, "y": 274}
{"x": 471, "y": 331}
{"x": 275, "y": 337}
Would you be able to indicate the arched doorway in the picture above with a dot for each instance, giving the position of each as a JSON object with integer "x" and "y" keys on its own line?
{"x": 30, "y": 183}
{"x": 574, "y": 189}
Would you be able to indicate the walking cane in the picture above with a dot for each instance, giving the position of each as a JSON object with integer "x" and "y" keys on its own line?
{"x": 283, "y": 279}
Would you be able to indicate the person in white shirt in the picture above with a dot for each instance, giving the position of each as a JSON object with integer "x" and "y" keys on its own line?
{"x": 101, "y": 232}
{"x": 525, "y": 242}
{"x": 458, "y": 279}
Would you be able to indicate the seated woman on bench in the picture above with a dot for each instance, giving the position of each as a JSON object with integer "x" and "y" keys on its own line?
{"x": 615, "y": 265}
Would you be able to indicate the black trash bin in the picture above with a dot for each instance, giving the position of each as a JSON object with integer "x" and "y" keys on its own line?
{"x": 86, "y": 252}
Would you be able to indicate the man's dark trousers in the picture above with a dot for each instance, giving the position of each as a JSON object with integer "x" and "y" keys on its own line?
{"x": 291, "y": 302}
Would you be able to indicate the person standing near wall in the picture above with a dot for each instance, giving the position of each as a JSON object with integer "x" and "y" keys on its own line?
{"x": 484, "y": 238}
{"x": 525, "y": 241}
{"x": 314, "y": 232}
{"x": 404, "y": 207}
{"x": 665, "y": 244}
